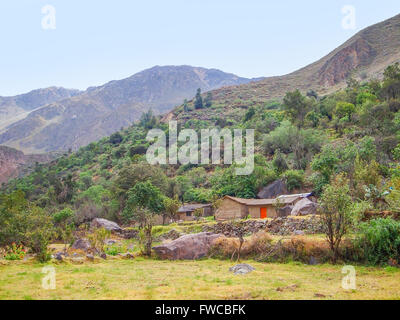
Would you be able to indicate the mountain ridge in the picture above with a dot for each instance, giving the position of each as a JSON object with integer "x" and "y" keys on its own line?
{"x": 99, "y": 111}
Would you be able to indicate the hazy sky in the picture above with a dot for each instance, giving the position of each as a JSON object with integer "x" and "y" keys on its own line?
{"x": 96, "y": 41}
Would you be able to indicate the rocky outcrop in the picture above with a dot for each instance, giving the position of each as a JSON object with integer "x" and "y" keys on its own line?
{"x": 273, "y": 190}
{"x": 14, "y": 163}
{"x": 187, "y": 247}
{"x": 81, "y": 244}
{"x": 106, "y": 224}
{"x": 304, "y": 207}
{"x": 340, "y": 66}
{"x": 285, "y": 211}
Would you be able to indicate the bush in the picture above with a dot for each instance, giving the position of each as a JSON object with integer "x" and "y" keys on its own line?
{"x": 63, "y": 215}
{"x": 294, "y": 179}
{"x": 378, "y": 241}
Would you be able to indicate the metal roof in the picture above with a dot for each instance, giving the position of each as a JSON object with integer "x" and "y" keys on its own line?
{"x": 192, "y": 207}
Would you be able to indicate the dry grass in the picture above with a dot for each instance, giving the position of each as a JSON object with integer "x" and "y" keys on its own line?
{"x": 152, "y": 279}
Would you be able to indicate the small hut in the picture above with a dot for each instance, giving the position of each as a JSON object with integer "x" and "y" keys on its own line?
{"x": 186, "y": 212}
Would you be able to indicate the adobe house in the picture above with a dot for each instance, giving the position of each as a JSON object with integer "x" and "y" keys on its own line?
{"x": 237, "y": 208}
{"x": 186, "y": 212}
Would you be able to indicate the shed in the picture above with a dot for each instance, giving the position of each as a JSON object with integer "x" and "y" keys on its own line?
{"x": 186, "y": 212}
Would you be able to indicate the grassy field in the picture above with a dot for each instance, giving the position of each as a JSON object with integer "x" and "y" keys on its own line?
{"x": 206, "y": 279}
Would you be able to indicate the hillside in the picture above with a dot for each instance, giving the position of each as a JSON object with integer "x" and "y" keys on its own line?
{"x": 14, "y": 163}
{"x": 364, "y": 56}
{"x": 100, "y": 111}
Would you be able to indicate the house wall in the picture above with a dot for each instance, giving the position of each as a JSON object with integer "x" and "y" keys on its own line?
{"x": 254, "y": 211}
{"x": 230, "y": 210}
{"x": 182, "y": 216}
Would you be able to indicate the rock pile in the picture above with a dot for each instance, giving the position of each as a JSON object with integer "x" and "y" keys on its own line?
{"x": 279, "y": 226}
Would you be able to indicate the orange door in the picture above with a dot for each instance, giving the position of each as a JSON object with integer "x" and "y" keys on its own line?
{"x": 263, "y": 213}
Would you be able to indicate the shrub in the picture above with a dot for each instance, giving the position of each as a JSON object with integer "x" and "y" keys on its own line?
{"x": 379, "y": 241}
{"x": 63, "y": 215}
{"x": 294, "y": 179}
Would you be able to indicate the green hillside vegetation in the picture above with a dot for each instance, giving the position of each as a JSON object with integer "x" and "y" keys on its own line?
{"x": 304, "y": 139}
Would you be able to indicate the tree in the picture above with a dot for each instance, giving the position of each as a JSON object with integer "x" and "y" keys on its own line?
{"x": 296, "y": 107}
{"x": 335, "y": 210}
{"x": 198, "y": 102}
{"x": 345, "y": 109}
{"x": 185, "y": 105}
{"x": 171, "y": 208}
{"x": 144, "y": 202}
{"x": 208, "y": 100}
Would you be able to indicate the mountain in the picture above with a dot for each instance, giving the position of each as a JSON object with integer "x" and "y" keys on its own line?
{"x": 364, "y": 56}
{"x": 14, "y": 163}
{"x": 99, "y": 111}
{"x": 17, "y": 107}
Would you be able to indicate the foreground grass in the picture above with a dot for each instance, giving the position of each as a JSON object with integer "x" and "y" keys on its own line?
{"x": 207, "y": 279}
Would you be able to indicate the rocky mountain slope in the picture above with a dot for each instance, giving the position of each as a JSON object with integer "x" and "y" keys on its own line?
{"x": 14, "y": 163}
{"x": 100, "y": 111}
{"x": 364, "y": 56}
{"x": 17, "y": 107}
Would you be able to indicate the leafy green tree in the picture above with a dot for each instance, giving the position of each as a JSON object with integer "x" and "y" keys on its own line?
{"x": 198, "y": 100}
{"x": 294, "y": 179}
{"x": 208, "y": 100}
{"x": 345, "y": 109}
{"x": 171, "y": 208}
{"x": 335, "y": 207}
{"x": 145, "y": 201}
{"x": 296, "y": 107}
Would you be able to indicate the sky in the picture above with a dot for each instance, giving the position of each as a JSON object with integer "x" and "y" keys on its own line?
{"x": 91, "y": 42}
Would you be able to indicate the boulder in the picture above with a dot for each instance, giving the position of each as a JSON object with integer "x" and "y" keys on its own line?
{"x": 285, "y": 211}
{"x": 127, "y": 255}
{"x": 90, "y": 257}
{"x": 242, "y": 269}
{"x": 81, "y": 244}
{"x": 187, "y": 247}
{"x": 304, "y": 208}
{"x": 273, "y": 190}
{"x": 106, "y": 224}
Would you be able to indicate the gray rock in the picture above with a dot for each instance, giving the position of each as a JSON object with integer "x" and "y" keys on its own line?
{"x": 59, "y": 256}
{"x": 242, "y": 269}
{"x": 299, "y": 233}
{"x": 127, "y": 255}
{"x": 304, "y": 208}
{"x": 81, "y": 244}
{"x": 110, "y": 242}
{"x": 285, "y": 211}
{"x": 106, "y": 224}
{"x": 187, "y": 247}
{"x": 103, "y": 256}
{"x": 273, "y": 190}
{"x": 90, "y": 257}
